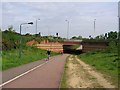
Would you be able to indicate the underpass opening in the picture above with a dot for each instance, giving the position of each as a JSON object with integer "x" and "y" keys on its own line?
{"x": 70, "y": 50}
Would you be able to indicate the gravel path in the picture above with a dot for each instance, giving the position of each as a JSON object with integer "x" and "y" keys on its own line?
{"x": 82, "y": 75}
{"x": 46, "y": 76}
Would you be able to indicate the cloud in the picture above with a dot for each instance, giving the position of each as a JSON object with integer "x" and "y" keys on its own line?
{"x": 54, "y": 14}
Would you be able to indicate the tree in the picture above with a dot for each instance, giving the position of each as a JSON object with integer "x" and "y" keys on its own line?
{"x": 76, "y": 38}
{"x": 97, "y": 37}
{"x": 112, "y": 47}
{"x": 112, "y": 35}
{"x": 101, "y": 36}
{"x": 79, "y": 37}
{"x": 27, "y": 34}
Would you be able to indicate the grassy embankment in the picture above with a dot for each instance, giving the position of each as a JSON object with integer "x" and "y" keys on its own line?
{"x": 10, "y": 47}
{"x": 29, "y": 54}
{"x": 106, "y": 63}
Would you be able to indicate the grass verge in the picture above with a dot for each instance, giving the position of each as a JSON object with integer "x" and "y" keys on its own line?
{"x": 11, "y": 58}
{"x": 106, "y": 63}
{"x": 63, "y": 83}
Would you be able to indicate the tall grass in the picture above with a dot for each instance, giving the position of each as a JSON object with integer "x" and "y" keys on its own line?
{"x": 11, "y": 58}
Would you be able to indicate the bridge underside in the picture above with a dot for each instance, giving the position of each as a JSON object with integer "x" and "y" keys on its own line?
{"x": 68, "y": 49}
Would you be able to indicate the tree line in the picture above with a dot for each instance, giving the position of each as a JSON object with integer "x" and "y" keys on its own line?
{"x": 10, "y": 38}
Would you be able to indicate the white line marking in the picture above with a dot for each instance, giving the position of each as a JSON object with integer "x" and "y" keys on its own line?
{"x": 22, "y": 74}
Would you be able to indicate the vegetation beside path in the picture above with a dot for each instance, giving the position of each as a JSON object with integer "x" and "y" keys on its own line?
{"x": 63, "y": 82}
{"x": 79, "y": 75}
{"x": 10, "y": 49}
{"x": 106, "y": 63}
{"x": 11, "y": 58}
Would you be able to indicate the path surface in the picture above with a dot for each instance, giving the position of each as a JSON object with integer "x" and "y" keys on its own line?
{"x": 13, "y": 72}
{"x": 82, "y": 75}
{"x": 46, "y": 76}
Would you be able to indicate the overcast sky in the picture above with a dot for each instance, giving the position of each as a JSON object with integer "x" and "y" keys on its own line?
{"x": 53, "y": 15}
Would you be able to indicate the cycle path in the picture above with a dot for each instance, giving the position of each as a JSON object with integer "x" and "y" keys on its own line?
{"x": 45, "y": 76}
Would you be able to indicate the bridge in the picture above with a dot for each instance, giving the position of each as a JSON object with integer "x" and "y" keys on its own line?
{"x": 67, "y": 46}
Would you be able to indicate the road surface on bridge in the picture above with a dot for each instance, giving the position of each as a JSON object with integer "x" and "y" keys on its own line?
{"x": 46, "y": 76}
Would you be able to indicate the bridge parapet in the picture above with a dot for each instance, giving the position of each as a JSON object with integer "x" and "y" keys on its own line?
{"x": 51, "y": 47}
{"x": 90, "y": 46}
{"x": 71, "y": 42}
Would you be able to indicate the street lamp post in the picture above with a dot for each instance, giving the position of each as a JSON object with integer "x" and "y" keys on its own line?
{"x": 119, "y": 29}
{"x": 119, "y": 34}
{"x": 20, "y": 48}
{"x": 94, "y": 26}
{"x": 36, "y": 26}
{"x": 67, "y": 29}
{"x": 119, "y": 20}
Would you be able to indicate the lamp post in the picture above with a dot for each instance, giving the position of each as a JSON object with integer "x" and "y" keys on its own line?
{"x": 119, "y": 28}
{"x": 119, "y": 41}
{"x": 20, "y": 48}
{"x": 67, "y": 29}
{"x": 36, "y": 26}
{"x": 119, "y": 33}
{"x": 119, "y": 20}
{"x": 94, "y": 26}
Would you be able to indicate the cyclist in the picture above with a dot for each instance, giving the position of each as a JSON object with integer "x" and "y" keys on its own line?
{"x": 48, "y": 54}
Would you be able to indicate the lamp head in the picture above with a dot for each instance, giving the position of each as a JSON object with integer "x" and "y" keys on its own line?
{"x": 30, "y": 23}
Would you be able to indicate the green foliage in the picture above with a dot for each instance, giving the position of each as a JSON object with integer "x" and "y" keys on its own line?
{"x": 55, "y": 39}
{"x": 108, "y": 36}
{"x": 112, "y": 46}
{"x": 63, "y": 84}
{"x": 76, "y": 38}
{"x": 100, "y": 37}
{"x": 29, "y": 54}
{"x": 112, "y": 35}
{"x": 9, "y": 40}
{"x": 10, "y": 47}
{"x": 30, "y": 38}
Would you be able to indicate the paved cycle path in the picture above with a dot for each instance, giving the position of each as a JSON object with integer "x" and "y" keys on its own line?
{"x": 46, "y": 76}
